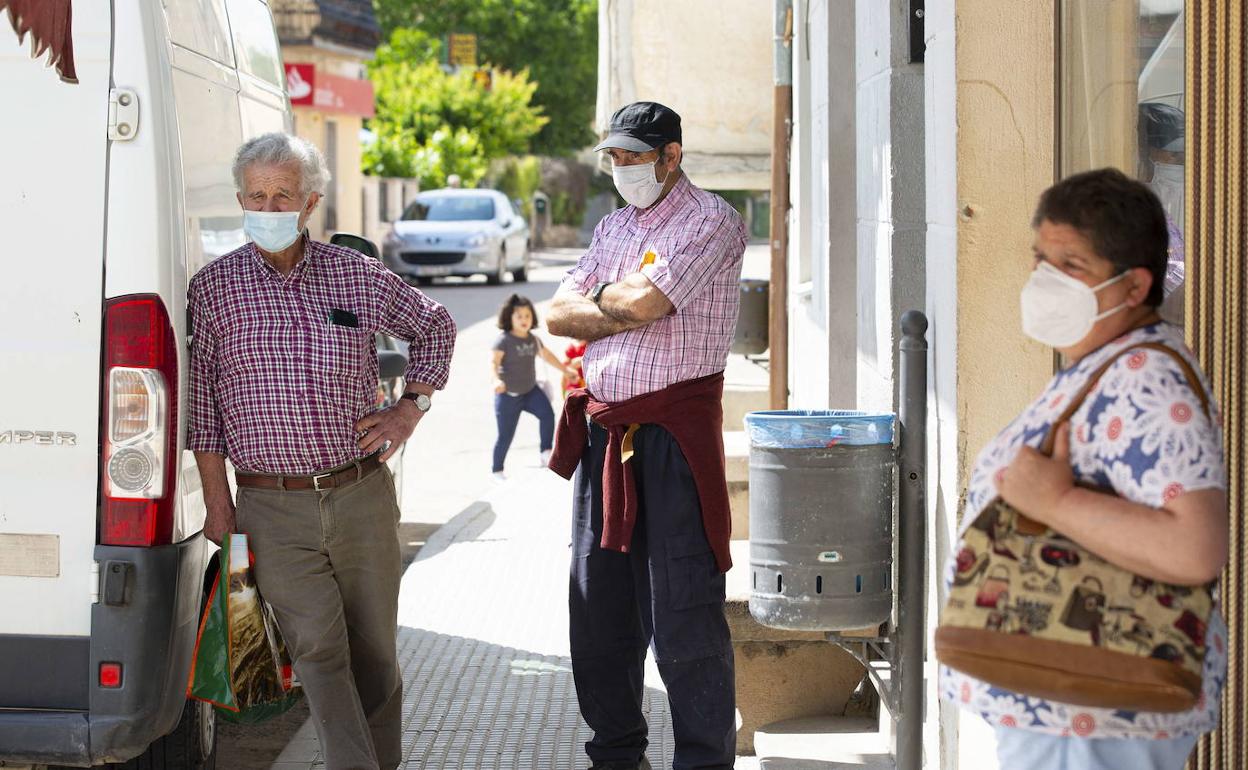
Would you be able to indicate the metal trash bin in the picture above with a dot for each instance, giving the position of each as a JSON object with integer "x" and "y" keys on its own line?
{"x": 753, "y": 318}
{"x": 821, "y": 518}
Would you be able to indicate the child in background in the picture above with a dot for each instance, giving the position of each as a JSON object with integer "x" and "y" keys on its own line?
{"x": 572, "y": 360}
{"x": 513, "y": 364}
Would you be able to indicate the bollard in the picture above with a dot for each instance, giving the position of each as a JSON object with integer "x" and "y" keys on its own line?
{"x": 912, "y": 528}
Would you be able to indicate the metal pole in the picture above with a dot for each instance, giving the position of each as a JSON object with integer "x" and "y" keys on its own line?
{"x": 782, "y": 119}
{"x": 912, "y": 545}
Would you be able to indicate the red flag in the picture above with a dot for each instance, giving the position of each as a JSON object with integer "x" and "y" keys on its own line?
{"x": 48, "y": 22}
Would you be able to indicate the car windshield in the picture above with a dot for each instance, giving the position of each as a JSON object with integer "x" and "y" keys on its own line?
{"x": 451, "y": 208}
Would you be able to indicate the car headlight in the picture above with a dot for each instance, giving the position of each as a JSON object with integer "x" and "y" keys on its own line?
{"x": 393, "y": 239}
{"x": 474, "y": 241}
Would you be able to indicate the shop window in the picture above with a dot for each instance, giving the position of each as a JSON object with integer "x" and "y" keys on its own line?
{"x": 1122, "y": 97}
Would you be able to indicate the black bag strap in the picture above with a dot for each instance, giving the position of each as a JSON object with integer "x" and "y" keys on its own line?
{"x": 1192, "y": 379}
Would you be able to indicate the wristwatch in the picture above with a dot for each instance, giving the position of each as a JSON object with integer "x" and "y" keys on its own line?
{"x": 423, "y": 402}
{"x": 595, "y": 294}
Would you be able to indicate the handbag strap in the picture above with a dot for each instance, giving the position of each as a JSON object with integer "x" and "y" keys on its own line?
{"x": 1192, "y": 379}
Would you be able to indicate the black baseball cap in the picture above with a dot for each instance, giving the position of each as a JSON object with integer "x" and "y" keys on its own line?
{"x": 641, "y": 127}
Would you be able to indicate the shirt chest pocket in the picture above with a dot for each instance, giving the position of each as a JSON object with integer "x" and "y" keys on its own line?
{"x": 340, "y": 351}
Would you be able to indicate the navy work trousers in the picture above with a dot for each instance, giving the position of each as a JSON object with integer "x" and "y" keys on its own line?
{"x": 667, "y": 593}
{"x": 507, "y": 409}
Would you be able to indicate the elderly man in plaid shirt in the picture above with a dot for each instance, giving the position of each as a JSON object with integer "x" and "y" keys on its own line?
{"x": 283, "y": 381}
{"x": 657, "y": 296}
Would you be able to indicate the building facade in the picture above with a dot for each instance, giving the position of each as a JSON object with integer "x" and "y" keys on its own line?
{"x": 325, "y": 47}
{"x": 726, "y": 118}
{"x": 913, "y": 184}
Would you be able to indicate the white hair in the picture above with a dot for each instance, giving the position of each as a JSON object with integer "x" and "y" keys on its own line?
{"x": 278, "y": 149}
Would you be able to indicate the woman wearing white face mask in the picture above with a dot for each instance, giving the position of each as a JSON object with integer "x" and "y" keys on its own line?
{"x": 1141, "y": 436}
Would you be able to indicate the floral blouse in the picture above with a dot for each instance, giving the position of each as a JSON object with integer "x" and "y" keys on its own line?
{"x": 1142, "y": 432}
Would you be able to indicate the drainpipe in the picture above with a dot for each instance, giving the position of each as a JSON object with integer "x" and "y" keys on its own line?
{"x": 782, "y": 122}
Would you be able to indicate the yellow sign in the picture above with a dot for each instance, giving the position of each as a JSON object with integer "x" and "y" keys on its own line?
{"x": 462, "y": 50}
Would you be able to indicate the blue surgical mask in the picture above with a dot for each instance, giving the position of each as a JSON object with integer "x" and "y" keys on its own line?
{"x": 272, "y": 231}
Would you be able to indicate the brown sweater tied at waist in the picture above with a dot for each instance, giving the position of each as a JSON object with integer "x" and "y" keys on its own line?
{"x": 692, "y": 411}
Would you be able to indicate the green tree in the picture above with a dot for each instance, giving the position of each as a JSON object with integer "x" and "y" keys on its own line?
{"x": 518, "y": 177}
{"x": 555, "y": 40}
{"x": 430, "y": 124}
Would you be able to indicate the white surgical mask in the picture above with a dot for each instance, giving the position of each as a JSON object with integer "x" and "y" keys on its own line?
{"x": 637, "y": 184}
{"x": 272, "y": 231}
{"x": 1059, "y": 310}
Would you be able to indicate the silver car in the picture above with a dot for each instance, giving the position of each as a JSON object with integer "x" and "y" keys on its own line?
{"x": 459, "y": 232}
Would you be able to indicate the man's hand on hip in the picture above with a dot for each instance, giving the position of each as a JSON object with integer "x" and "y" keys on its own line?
{"x": 394, "y": 424}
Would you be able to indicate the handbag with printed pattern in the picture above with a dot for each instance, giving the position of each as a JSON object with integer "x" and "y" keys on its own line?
{"x": 1041, "y": 615}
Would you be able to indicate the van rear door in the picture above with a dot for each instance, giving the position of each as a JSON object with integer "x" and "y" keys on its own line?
{"x": 52, "y": 206}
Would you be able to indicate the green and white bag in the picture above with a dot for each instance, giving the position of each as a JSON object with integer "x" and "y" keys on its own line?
{"x": 240, "y": 664}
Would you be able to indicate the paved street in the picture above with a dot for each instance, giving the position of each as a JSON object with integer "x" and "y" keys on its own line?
{"x": 483, "y": 609}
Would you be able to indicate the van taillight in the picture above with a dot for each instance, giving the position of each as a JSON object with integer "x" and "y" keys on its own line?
{"x": 139, "y": 458}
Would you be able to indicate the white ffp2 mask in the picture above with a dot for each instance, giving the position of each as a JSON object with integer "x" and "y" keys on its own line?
{"x": 637, "y": 184}
{"x": 1059, "y": 310}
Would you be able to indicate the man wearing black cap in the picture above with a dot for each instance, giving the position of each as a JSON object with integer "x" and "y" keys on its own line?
{"x": 656, "y": 295}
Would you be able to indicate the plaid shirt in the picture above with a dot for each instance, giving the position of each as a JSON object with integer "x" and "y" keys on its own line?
{"x": 275, "y": 384}
{"x": 690, "y": 245}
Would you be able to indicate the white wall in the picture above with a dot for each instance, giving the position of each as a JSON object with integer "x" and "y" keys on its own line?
{"x": 823, "y": 266}
{"x": 890, "y": 197}
{"x": 808, "y": 323}
{"x": 940, "y": 119}
{"x": 711, "y": 61}
{"x": 857, "y": 225}
{"x": 954, "y": 740}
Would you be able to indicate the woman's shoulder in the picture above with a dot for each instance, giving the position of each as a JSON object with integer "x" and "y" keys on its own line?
{"x": 1140, "y": 350}
{"x": 1156, "y": 351}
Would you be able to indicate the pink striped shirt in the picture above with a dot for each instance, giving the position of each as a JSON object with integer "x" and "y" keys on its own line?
{"x": 691, "y": 243}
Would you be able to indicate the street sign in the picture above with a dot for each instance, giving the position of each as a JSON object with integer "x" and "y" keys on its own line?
{"x": 462, "y": 50}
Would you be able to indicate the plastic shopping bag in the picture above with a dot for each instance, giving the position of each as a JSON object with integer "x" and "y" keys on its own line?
{"x": 240, "y": 664}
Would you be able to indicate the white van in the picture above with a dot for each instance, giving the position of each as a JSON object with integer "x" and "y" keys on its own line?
{"x": 113, "y": 192}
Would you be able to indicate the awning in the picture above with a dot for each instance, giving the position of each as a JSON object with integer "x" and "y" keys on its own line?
{"x": 50, "y": 27}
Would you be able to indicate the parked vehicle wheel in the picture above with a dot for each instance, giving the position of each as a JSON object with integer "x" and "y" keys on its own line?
{"x": 191, "y": 746}
{"x": 496, "y": 278}
{"x": 521, "y": 274}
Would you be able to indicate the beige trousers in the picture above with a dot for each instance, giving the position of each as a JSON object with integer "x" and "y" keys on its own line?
{"x": 328, "y": 562}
